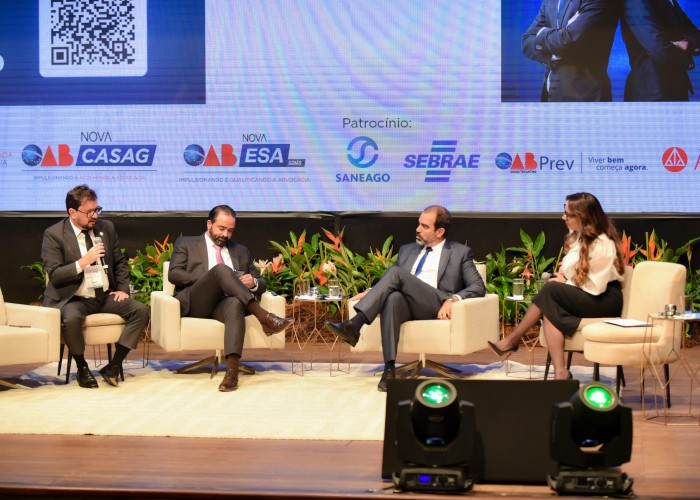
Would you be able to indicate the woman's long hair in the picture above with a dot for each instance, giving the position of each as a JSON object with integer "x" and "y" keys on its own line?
{"x": 594, "y": 222}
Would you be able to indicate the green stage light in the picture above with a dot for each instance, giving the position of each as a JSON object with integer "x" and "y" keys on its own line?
{"x": 599, "y": 397}
{"x": 436, "y": 394}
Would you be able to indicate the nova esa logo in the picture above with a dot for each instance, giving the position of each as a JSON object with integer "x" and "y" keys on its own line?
{"x": 194, "y": 156}
{"x": 441, "y": 161}
{"x": 90, "y": 155}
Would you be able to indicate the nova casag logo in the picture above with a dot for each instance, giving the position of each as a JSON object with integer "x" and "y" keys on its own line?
{"x": 256, "y": 155}
{"x": 94, "y": 155}
{"x": 441, "y": 161}
{"x": 194, "y": 156}
{"x": 528, "y": 163}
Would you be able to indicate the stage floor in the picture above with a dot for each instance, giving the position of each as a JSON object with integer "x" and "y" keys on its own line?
{"x": 663, "y": 465}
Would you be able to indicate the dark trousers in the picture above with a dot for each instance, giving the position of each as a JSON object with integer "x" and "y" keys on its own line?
{"x": 220, "y": 295}
{"x": 73, "y": 315}
{"x": 399, "y": 297}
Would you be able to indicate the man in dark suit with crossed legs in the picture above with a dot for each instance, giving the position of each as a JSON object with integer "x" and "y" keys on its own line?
{"x": 214, "y": 277}
{"x": 428, "y": 277}
{"x": 86, "y": 277}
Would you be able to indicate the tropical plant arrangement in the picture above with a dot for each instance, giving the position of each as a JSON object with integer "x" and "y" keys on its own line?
{"x": 146, "y": 269}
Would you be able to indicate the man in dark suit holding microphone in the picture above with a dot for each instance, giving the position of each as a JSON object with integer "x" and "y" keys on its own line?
{"x": 429, "y": 276}
{"x": 573, "y": 39}
{"x": 87, "y": 274}
{"x": 214, "y": 277}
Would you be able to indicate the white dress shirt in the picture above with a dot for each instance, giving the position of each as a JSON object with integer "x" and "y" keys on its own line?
{"x": 602, "y": 265}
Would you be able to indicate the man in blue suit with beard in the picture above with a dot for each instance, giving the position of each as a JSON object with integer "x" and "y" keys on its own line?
{"x": 661, "y": 42}
{"x": 573, "y": 39}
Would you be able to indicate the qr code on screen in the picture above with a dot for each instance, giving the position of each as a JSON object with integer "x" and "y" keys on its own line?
{"x": 93, "y": 38}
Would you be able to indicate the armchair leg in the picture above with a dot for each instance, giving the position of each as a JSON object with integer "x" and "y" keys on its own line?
{"x": 547, "y": 364}
{"x": 416, "y": 367}
{"x": 668, "y": 386}
{"x": 214, "y": 360}
{"x": 596, "y": 372}
{"x": 198, "y": 364}
{"x": 12, "y": 385}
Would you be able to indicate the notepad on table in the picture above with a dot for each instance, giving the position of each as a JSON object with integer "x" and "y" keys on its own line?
{"x": 627, "y": 322}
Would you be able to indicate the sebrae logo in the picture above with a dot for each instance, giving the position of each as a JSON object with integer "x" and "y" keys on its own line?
{"x": 441, "y": 161}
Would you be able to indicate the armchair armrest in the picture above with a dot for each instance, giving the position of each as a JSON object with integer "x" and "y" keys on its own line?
{"x": 165, "y": 321}
{"x": 45, "y": 318}
{"x": 474, "y": 321}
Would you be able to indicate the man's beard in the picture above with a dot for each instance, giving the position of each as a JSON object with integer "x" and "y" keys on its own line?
{"x": 219, "y": 240}
{"x": 420, "y": 241}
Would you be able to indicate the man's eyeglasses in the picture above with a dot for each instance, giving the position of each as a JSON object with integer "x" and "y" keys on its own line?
{"x": 90, "y": 213}
{"x": 567, "y": 215}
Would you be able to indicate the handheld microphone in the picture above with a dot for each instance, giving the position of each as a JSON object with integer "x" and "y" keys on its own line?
{"x": 95, "y": 241}
{"x": 546, "y": 276}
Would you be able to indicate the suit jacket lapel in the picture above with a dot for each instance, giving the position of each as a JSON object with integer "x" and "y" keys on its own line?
{"x": 72, "y": 241}
{"x": 444, "y": 259}
{"x": 203, "y": 253}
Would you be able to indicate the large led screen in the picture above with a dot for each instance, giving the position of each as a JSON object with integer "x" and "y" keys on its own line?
{"x": 349, "y": 105}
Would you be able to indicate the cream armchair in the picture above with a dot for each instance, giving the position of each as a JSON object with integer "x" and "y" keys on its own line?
{"x": 474, "y": 321}
{"x": 653, "y": 285}
{"x": 28, "y": 334}
{"x": 575, "y": 342}
{"x": 176, "y": 334}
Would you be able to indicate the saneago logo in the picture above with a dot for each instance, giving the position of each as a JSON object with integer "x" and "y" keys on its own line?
{"x": 504, "y": 161}
{"x": 362, "y": 154}
{"x": 675, "y": 159}
{"x": 94, "y": 155}
{"x": 363, "y": 158}
{"x": 441, "y": 161}
{"x": 194, "y": 156}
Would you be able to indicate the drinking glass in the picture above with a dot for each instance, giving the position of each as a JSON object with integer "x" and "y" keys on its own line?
{"x": 518, "y": 287}
{"x": 688, "y": 304}
{"x": 333, "y": 289}
{"x": 303, "y": 287}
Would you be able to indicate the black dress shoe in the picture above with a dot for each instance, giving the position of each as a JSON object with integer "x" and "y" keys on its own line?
{"x": 388, "y": 373}
{"x": 345, "y": 331}
{"x": 273, "y": 323}
{"x": 85, "y": 378}
{"x": 110, "y": 374}
{"x": 505, "y": 353}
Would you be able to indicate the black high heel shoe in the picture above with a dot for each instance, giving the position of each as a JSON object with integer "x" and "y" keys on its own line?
{"x": 505, "y": 354}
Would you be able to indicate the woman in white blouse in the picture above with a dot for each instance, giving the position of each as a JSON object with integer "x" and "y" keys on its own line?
{"x": 587, "y": 284}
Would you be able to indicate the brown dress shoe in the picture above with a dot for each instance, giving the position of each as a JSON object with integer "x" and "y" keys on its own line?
{"x": 273, "y": 323}
{"x": 230, "y": 381}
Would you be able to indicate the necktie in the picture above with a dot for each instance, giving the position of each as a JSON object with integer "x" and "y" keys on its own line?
{"x": 219, "y": 257}
{"x": 99, "y": 292}
{"x": 422, "y": 261}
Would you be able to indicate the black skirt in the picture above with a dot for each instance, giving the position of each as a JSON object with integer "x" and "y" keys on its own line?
{"x": 564, "y": 305}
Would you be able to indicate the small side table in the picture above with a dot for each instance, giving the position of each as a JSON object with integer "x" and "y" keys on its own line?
{"x": 528, "y": 340}
{"x": 677, "y": 356}
{"x": 303, "y": 338}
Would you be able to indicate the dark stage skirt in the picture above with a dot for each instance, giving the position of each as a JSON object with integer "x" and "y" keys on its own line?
{"x": 564, "y": 305}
